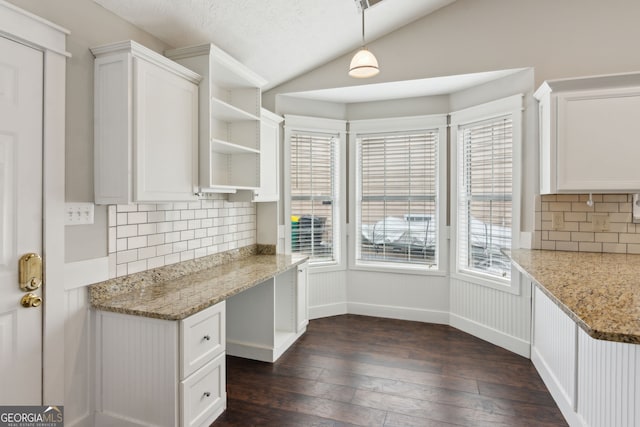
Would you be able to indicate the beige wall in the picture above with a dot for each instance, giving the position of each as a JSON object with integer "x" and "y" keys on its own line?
{"x": 559, "y": 38}
{"x": 90, "y": 25}
{"x": 556, "y": 38}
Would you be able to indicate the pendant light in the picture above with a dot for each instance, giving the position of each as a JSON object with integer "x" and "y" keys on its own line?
{"x": 364, "y": 63}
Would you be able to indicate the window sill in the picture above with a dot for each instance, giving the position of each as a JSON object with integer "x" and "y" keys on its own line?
{"x": 397, "y": 269}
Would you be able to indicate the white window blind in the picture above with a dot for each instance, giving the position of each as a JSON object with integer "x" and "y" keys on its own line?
{"x": 397, "y": 199}
{"x": 485, "y": 188}
{"x": 314, "y": 195}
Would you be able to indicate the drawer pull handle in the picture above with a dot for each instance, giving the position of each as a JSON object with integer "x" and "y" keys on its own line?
{"x": 206, "y": 337}
{"x": 207, "y": 394}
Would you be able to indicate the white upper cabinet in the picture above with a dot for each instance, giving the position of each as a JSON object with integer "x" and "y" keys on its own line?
{"x": 269, "y": 190}
{"x": 230, "y": 99}
{"x": 145, "y": 128}
{"x": 588, "y": 131}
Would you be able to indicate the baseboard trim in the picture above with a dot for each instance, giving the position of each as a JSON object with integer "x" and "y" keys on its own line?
{"x": 83, "y": 421}
{"x": 103, "y": 419}
{"x": 250, "y": 351}
{"x": 401, "y": 313}
{"x": 328, "y": 310}
{"x": 494, "y": 336}
{"x": 561, "y": 399}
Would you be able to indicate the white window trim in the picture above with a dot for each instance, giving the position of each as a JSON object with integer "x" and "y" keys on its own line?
{"x": 294, "y": 123}
{"x": 512, "y": 105}
{"x": 436, "y": 122}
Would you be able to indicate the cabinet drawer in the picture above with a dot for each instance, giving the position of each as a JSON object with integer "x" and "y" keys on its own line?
{"x": 202, "y": 337}
{"x": 203, "y": 395}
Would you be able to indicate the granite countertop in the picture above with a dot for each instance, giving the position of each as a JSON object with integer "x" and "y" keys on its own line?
{"x": 599, "y": 291}
{"x": 179, "y": 297}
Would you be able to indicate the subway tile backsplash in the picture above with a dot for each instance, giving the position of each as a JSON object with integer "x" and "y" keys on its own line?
{"x": 142, "y": 237}
{"x": 565, "y": 222}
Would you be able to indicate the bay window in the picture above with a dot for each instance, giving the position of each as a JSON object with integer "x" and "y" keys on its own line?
{"x": 314, "y": 188}
{"x": 397, "y": 192}
{"x": 486, "y": 141}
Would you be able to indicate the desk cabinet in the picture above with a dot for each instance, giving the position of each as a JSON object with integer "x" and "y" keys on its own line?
{"x": 161, "y": 372}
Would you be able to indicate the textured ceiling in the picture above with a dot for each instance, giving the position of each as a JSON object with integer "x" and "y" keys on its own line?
{"x": 278, "y": 39}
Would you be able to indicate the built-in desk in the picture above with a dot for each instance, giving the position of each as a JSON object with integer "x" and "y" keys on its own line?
{"x": 162, "y": 335}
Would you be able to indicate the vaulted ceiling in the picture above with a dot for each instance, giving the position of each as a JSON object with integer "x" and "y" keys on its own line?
{"x": 278, "y": 39}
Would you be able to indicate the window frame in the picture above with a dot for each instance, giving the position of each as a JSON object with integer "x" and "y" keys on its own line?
{"x": 436, "y": 122}
{"x": 294, "y": 124}
{"x": 510, "y": 106}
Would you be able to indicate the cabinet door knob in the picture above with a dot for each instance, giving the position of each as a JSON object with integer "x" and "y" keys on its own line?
{"x": 206, "y": 337}
{"x": 206, "y": 394}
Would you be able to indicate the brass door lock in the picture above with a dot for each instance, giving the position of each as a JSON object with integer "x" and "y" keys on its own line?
{"x": 30, "y": 272}
{"x": 31, "y": 300}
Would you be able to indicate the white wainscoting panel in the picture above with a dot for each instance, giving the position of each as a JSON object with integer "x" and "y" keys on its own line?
{"x": 501, "y": 318}
{"x": 78, "y": 371}
{"x": 125, "y": 392}
{"x": 416, "y": 297}
{"x": 608, "y": 382}
{"x": 327, "y": 293}
{"x": 554, "y": 348}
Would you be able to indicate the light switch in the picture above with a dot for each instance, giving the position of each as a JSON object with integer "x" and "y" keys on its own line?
{"x": 78, "y": 213}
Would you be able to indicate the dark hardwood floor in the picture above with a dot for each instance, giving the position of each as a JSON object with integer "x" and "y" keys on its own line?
{"x": 356, "y": 370}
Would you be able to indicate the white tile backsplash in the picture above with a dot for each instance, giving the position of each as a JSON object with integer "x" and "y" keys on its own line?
{"x": 142, "y": 237}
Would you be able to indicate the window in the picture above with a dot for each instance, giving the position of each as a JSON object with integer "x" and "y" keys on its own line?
{"x": 486, "y": 164}
{"x": 314, "y": 193}
{"x": 397, "y": 193}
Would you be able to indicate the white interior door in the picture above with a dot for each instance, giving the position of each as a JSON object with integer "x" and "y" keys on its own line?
{"x": 21, "y": 77}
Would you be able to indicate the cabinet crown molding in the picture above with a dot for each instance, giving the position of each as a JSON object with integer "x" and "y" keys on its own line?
{"x": 220, "y": 58}
{"x": 604, "y": 81}
{"x": 140, "y": 51}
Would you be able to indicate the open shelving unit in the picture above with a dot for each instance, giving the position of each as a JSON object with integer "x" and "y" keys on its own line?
{"x": 229, "y": 129}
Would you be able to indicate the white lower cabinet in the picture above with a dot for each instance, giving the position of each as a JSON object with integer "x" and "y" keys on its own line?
{"x": 160, "y": 372}
{"x": 608, "y": 383}
{"x": 595, "y": 383}
{"x": 302, "y": 316}
{"x": 203, "y": 395}
{"x": 554, "y": 351}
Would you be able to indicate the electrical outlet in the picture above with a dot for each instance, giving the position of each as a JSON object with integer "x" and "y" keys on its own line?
{"x": 557, "y": 220}
{"x": 600, "y": 222}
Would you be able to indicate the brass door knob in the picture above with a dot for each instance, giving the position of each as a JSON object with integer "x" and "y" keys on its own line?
{"x": 31, "y": 300}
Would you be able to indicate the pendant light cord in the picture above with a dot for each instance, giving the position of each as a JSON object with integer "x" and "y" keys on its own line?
{"x": 362, "y": 27}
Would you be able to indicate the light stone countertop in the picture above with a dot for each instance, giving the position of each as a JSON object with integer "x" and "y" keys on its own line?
{"x": 179, "y": 297}
{"x": 599, "y": 291}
